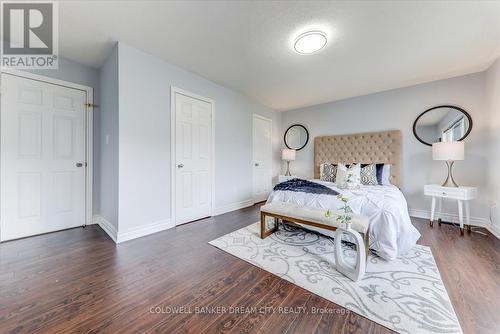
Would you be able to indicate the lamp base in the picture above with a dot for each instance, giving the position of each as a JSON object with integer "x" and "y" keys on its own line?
{"x": 288, "y": 169}
{"x": 450, "y": 182}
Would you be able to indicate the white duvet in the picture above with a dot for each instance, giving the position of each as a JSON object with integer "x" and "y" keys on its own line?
{"x": 391, "y": 232}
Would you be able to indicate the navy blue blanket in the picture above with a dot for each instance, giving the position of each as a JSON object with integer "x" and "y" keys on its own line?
{"x": 305, "y": 186}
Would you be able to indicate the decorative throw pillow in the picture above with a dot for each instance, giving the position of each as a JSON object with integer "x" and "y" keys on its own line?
{"x": 348, "y": 177}
{"x": 368, "y": 175}
{"x": 379, "y": 168}
{"x": 327, "y": 172}
{"x": 386, "y": 175}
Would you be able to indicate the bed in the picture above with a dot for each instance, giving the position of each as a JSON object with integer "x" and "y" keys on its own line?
{"x": 391, "y": 232}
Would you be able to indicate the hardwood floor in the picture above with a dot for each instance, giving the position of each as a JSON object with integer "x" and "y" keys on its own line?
{"x": 79, "y": 281}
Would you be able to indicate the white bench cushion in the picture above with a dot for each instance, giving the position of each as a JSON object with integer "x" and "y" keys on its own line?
{"x": 358, "y": 223}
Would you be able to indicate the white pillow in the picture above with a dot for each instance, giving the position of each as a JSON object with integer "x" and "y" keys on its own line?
{"x": 386, "y": 175}
{"x": 353, "y": 173}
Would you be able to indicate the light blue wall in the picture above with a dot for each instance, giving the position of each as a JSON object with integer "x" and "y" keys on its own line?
{"x": 109, "y": 144}
{"x": 77, "y": 73}
{"x": 144, "y": 158}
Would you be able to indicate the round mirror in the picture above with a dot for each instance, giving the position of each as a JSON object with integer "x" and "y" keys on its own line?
{"x": 442, "y": 123}
{"x": 296, "y": 137}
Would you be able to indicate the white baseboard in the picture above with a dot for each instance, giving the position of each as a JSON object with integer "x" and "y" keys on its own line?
{"x": 106, "y": 226}
{"x": 495, "y": 230}
{"x": 119, "y": 236}
{"x": 233, "y": 206}
{"x": 449, "y": 217}
{"x": 144, "y": 230}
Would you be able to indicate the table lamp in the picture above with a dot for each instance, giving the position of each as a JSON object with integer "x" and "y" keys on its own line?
{"x": 288, "y": 155}
{"x": 449, "y": 152}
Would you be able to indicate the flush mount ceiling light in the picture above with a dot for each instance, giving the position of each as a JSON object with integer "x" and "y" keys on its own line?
{"x": 310, "y": 42}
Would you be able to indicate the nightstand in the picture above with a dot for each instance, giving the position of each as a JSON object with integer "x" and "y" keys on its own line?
{"x": 463, "y": 195}
{"x": 283, "y": 178}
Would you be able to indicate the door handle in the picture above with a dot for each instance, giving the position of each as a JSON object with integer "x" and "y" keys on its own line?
{"x": 79, "y": 164}
{"x": 180, "y": 166}
{"x": 256, "y": 165}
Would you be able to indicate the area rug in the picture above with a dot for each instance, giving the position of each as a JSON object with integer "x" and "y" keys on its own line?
{"x": 406, "y": 295}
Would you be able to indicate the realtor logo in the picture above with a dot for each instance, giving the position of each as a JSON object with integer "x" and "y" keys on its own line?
{"x": 29, "y": 31}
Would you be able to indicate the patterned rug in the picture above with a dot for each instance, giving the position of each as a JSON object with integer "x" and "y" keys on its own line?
{"x": 406, "y": 295}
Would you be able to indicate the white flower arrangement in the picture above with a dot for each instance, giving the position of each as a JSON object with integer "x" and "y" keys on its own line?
{"x": 344, "y": 218}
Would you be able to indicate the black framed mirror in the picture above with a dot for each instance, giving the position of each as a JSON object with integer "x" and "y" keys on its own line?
{"x": 442, "y": 123}
{"x": 296, "y": 137}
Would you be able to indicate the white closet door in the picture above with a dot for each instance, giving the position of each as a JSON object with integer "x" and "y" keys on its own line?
{"x": 42, "y": 145}
{"x": 193, "y": 159}
{"x": 262, "y": 158}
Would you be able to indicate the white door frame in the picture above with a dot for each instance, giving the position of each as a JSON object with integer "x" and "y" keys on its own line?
{"x": 89, "y": 122}
{"x": 175, "y": 90}
{"x": 254, "y": 200}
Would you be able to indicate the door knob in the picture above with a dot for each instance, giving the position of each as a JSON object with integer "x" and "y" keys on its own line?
{"x": 180, "y": 165}
{"x": 256, "y": 165}
{"x": 79, "y": 164}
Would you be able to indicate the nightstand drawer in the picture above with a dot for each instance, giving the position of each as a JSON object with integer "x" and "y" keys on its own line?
{"x": 461, "y": 193}
{"x": 444, "y": 194}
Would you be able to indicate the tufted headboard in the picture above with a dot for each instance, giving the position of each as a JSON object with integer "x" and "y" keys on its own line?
{"x": 375, "y": 147}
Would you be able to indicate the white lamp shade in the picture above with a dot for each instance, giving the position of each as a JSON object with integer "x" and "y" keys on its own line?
{"x": 287, "y": 154}
{"x": 449, "y": 151}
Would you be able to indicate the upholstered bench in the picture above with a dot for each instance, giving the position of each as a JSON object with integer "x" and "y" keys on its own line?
{"x": 316, "y": 218}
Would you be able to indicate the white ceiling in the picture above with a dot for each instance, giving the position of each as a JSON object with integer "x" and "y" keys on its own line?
{"x": 246, "y": 45}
